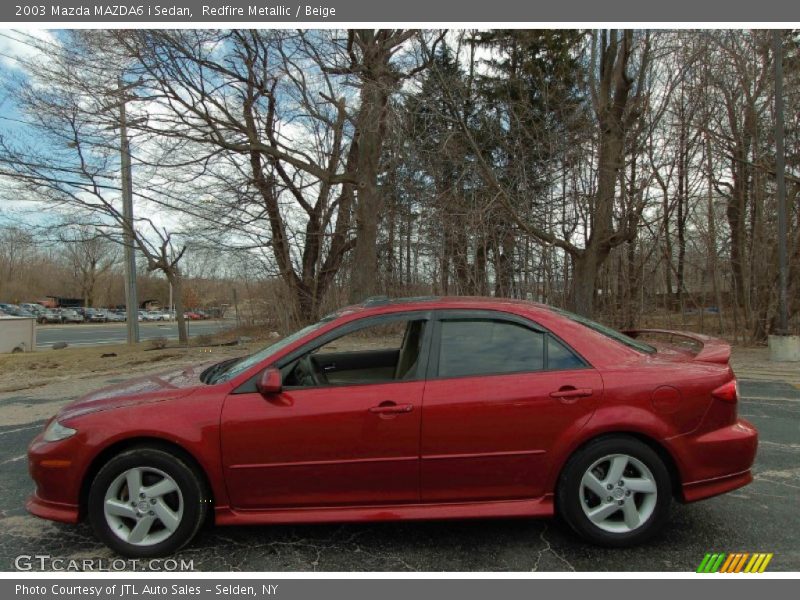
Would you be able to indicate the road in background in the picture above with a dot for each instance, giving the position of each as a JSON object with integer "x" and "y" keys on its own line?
{"x": 98, "y": 334}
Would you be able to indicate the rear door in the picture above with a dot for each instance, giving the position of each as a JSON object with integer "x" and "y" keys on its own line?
{"x": 499, "y": 393}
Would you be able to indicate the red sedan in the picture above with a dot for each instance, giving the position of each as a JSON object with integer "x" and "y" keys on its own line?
{"x": 424, "y": 408}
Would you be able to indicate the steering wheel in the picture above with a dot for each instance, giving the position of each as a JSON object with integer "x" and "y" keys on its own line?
{"x": 310, "y": 367}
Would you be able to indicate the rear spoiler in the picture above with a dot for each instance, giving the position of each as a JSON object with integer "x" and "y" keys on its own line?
{"x": 712, "y": 350}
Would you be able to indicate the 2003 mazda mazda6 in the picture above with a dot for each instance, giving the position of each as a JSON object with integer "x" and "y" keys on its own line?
{"x": 426, "y": 408}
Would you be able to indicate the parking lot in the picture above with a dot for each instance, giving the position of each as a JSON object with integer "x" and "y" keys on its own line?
{"x": 97, "y": 334}
{"x": 759, "y": 518}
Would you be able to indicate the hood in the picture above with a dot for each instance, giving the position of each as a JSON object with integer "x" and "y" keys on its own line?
{"x": 139, "y": 390}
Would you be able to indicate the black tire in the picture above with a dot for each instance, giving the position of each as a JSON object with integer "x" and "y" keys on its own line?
{"x": 571, "y": 497}
{"x": 192, "y": 498}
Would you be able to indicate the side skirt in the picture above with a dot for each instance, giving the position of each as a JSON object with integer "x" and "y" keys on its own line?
{"x": 536, "y": 507}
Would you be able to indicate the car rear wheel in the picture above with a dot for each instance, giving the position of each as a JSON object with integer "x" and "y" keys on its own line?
{"x": 146, "y": 502}
{"x": 615, "y": 491}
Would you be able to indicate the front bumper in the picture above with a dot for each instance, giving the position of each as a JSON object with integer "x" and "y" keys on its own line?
{"x": 54, "y": 468}
{"x": 53, "y": 511}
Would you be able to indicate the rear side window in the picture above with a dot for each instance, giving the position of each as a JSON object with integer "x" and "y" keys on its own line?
{"x": 606, "y": 331}
{"x": 483, "y": 347}
{"x": 561, "y": 358}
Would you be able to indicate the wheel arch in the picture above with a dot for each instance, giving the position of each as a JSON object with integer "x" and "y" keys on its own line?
{"x": 660, "y": 449}
{"x": 119, "y": 446}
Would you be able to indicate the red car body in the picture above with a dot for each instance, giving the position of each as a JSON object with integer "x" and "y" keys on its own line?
{"x": 478, "y": 446}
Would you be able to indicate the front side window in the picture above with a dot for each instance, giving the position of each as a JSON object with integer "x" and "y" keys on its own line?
{"x": 377, "y": 353}
{"x": 228, "y": 369}
{"x": 483, "y": 347}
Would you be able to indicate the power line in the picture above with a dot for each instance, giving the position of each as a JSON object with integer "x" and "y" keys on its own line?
{"x": 70, "y": 170}
{"x": 20, "y": 121}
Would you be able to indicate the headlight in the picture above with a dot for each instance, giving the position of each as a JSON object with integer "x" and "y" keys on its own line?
{"x": 56, "y": 431}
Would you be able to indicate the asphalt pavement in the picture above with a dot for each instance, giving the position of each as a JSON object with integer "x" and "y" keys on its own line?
{"x": 98, "y": 334}
{"x": 762, "y": 517}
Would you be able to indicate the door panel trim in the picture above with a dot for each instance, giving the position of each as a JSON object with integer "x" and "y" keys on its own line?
{"x": 483, "y": 454}
{"x": 314, "y": 463}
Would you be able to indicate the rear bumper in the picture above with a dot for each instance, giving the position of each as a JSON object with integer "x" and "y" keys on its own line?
{"x": 700, "y": 490}
{"x": 719, "y": 461}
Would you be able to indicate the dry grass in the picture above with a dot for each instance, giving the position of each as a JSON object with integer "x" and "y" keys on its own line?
{"x": 36, "y": 369}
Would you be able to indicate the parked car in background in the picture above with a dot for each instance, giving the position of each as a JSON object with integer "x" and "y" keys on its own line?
{"x": 50, "y": 315}
{"x": 115, "y": 316}
{"x": 15, "y": 311}
{"x": 70, "y": 315}
{"x": 84, "y": 312}
{"x": 157, "y": 315}
{"x": 193, "y": 316}
{"x": 96, "y": 315}
{"x": 467, "y": 408}
{"x": 33, "y": 307}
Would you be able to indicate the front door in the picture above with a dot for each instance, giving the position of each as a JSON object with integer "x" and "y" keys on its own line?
{"x": 350, "y": 440}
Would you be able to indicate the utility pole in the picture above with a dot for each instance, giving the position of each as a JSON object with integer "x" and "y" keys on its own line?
{"x": 783, "y": 311}
{"x": 236, "y": 307}
{"x": 131, "y": 303}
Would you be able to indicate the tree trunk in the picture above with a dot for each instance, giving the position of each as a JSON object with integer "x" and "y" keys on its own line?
{"x": 377, "y": 83}
{"x": 610, "y": 98}
{"x": 504, "y": 266}
{"x": 177, "y": 296}
{"x": 584, "y": 283}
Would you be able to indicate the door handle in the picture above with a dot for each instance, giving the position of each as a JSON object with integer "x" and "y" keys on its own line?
{"x": 570, "y": 392}
{"x": 390, "y": 408}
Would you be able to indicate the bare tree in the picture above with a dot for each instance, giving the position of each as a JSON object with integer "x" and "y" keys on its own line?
{"x": 91, "y": 255}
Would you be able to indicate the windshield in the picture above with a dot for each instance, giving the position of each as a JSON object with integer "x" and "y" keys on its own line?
{"x": 607, "y": 331}
{"x": 229, "y": 369}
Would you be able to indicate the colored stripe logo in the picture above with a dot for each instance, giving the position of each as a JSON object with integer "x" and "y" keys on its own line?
{"x": 737, "y": 562}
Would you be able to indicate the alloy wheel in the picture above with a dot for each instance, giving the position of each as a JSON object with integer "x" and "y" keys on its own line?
{"x": 618, "y": 493}
{"x": 143, "y": 506}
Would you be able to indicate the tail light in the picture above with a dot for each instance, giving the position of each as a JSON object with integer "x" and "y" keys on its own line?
{"x": 728, "y": 392}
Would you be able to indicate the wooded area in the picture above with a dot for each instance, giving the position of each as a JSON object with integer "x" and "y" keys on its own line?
{"x": 622, "y": 174}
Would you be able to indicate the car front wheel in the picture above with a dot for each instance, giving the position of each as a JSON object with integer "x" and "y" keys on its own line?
{"x": 615, "y": 491}
{"x": 146, "y": 502}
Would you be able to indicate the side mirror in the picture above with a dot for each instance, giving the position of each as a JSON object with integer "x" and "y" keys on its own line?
{"x": 269, "y": 382}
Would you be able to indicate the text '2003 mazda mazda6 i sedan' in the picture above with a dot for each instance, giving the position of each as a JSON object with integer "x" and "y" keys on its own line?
{"x": 423, "y": 408}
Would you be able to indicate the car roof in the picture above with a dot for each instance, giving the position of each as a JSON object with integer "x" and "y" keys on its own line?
{"x": 379, "y": 304}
